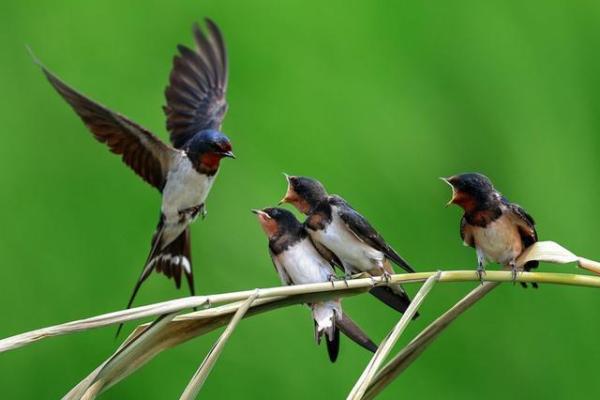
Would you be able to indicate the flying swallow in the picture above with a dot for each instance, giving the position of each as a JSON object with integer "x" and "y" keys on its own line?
{"x": 184, "y": 172}
{"x": 298, "y": 262}
{"x": 345, "y": 238}
{"x": 498, "y": 229}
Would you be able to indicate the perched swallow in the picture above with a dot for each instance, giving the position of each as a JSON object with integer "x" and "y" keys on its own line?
{"x": 184, "y": 172}
{"x": 498, "y": 229}
{"x": 345, "y": 238}
{"x": 298, "y": 262}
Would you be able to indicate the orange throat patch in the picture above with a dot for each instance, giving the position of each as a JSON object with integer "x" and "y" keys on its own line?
{"x": 268, "y": 225}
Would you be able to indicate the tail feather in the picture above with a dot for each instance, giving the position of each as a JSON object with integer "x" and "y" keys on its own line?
{"x": 528, "y": 267}
{"x": 174, "y": 259}
{"x": 353, "y": 331}
{"x": 325, "y": 315}
{"x": 395, "y": 298}
{"x": 333, "y": 345}
{"x": 171, "y": 260}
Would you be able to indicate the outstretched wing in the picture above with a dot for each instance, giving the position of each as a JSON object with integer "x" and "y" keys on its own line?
{"x": 197, "y": 85}
{"x": 361, "y": 228}
{"x": 140, "y": 150}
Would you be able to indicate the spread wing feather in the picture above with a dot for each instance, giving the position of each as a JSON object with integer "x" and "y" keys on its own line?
{"x": 197, "y": 85}
{"x": 143, "y": 152}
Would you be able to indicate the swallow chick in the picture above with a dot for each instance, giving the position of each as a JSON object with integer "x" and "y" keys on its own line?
{"x": 498, "y": 229}
{"x": 345, "y": 238}
{"x": 298, "y": 262}
{"x": 184, "y": 172}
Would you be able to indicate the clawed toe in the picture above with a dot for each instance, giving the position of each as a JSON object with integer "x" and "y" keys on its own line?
{"x": 346, "y": 278}
{"x": 480, "y": 274}
{"x": 387, "y": 277}
{"x": 332, "y": 278}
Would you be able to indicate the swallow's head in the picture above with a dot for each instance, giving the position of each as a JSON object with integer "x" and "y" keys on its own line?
{"x": 471, "y": 190}
{"x": 208, "y": 147}
{"x": 277, "y": 221}
{"x": 303, "y": 193}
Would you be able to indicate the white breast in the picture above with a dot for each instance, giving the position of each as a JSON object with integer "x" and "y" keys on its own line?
{"x": 354, "y": 254}
{"x": 304, "y": 264}
{"x": 185, "y": 188}
{"x": 499, "y": 241}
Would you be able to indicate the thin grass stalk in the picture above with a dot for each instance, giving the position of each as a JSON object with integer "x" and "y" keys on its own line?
{"x": 390, "y": 340}
{"x": 547, "y": 251}
{"x": 197, "y": 381}
{"x": 335, "y": 290}
{"x": 414, "y": 349}
{"x": 184, "y": 328}
{"x": 122, "y": 359}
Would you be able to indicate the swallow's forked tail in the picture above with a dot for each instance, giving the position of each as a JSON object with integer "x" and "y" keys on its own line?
{"x": 171, "y": 260}
{"x": 393, "y": 296}
{"x": 353, "y": 331}
{"x": 326, "y": 314}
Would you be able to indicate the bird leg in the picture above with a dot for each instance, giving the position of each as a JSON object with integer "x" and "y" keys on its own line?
{"x": 480, "y": 265}
{"x": 514, "y": 270}
{"x": 332, "y": 278}
{"x": 386, "y": 276}
{"x": 191, "y": 213}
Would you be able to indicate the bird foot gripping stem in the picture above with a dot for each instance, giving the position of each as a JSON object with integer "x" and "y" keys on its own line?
{"x": 480, "y": 273}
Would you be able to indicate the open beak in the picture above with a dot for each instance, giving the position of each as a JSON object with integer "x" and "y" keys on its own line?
{"x": 289, "y": 195}
{"x": 447, "y": 180}
{"x": 228, "y": 154}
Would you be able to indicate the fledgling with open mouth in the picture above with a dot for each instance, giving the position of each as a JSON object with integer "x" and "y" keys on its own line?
{"x": 498, "y": 229}
{"x": 346, "y": 239}
{"x": 298, "y": 262}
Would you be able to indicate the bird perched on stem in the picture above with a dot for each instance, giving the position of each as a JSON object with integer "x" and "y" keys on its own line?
{"x": 184, "y": 172}
{"x": 298, "y": 262}
{"x": 345, "y": 238}
{"x": 498, "y": 229}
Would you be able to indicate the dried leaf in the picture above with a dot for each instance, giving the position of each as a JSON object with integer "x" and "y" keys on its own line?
{"x": 388, "y": 343}
{"x": 195, "y": 384}
{"x": 547, "y": 252}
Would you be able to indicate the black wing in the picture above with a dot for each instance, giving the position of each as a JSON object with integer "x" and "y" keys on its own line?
{"x": 197, "y": 85}
{"x": 526, "y": 226}
{"x": 327, "y": 254}
{"x": 465, "y": 233}
{"x": 524, "y": 222}
{"x": 140, "y": 150}
{"x": 283, "y": 275}
{"x": 361, "y": 228}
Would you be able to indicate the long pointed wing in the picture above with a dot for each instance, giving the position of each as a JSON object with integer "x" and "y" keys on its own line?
{"x": 285, "y": 278}
{"x": 197, "y": 85}
{"x": 525, "y": 223}
{"x": 327, "y": 254}
{"x": 140, "y": 150}
{"x": 466, "y": 233}
{"x": 361, "y": 228}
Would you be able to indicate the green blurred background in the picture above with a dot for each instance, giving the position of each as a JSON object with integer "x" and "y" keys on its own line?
{"x": 375, "y": 98}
